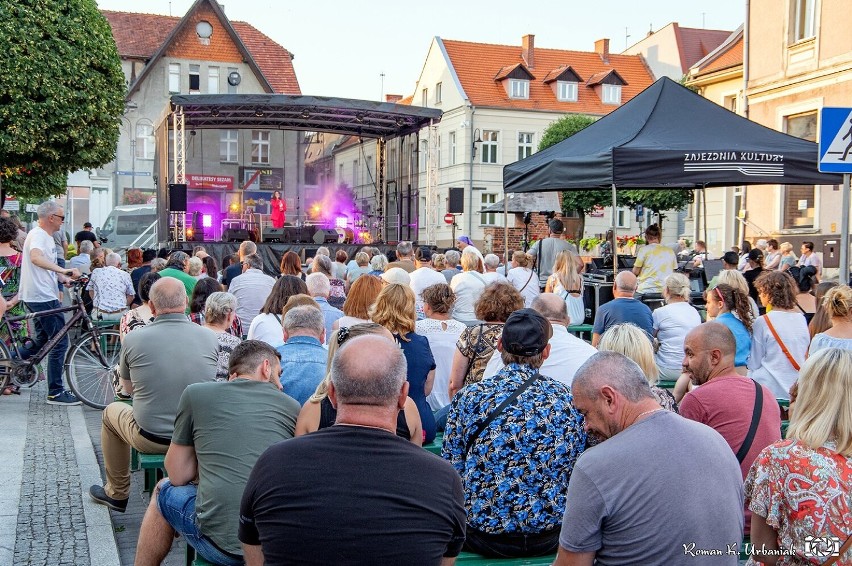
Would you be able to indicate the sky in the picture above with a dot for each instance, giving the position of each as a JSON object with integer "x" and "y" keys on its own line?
{"x": 343, "y": 47}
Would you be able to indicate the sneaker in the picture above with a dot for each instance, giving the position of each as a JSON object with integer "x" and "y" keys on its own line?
{"x": 64, "y": 398}
{"x": 98, "y": 494}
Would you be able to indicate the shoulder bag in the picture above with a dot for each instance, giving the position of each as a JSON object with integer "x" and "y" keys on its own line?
{"x": 473, "y": 354}
{"x": 755, "y": 420}
{"x": 483, "y": 424}
{"x": 784, "y": 349}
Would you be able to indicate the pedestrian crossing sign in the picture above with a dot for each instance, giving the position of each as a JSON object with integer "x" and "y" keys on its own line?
{"x": 835, "y": 140}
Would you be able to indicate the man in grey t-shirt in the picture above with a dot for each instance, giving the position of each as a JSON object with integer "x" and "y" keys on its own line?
{"x": 545, "y": 250}
{"x": 661, "y": 489}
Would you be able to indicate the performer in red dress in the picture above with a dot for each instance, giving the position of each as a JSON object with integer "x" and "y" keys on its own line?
{"x": 277, "y": 210}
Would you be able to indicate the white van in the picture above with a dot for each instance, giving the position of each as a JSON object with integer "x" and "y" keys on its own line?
{"x": 130, "y": 226}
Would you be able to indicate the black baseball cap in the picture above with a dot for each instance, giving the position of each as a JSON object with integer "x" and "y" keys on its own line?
{"x": 87, "y": 225}
{"x": 731, "y": 258}
{"x": 526, "y": 333}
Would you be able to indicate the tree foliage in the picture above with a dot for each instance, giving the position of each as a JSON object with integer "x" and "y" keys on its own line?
{"x": 61, "y": 94}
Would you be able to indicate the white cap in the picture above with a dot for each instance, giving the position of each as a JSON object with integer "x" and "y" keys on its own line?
{"x": 396, "y": 275}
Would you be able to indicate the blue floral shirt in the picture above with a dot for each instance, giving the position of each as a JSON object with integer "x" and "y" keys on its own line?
{"x": 516, "y": 473}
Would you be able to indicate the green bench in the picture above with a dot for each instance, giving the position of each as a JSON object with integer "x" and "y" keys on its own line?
{"x": 435, "y": 446}
{"x": 580, "y": 329}
{"x": 153, "y": 465}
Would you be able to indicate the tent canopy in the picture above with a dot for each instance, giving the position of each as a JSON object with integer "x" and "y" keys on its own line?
{"x": 668, "y": 136}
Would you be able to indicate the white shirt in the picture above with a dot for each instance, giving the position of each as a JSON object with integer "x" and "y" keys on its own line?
{"x": 567, "y": 354}
{"x": 467, "y": 286}
{"x": 38, "y": 285}
{"x": 251, "y": 290}
{"x": 111, "y": 286}
{"x": 767, "y": 363}
{"x": 420, "y": 279}
{"x": 493, "y": 277}
{"x": 442, "y": 342}
{"x": 672, "y": 323}
{"x": 267, "y": 328}
{"x": 526, "y": 282}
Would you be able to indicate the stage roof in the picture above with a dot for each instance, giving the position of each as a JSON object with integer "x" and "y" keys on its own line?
{"x": 364, "y": 118}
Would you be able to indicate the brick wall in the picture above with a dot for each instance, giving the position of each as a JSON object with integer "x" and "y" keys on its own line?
{"x": 538, "y": 229}
{"x": 187, "y": 46}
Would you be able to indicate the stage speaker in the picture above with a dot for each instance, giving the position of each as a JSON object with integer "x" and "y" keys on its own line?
{"x": 177, "y": 197}
{"x": 276, "y": 235}
{"x": 323, "y": 236}
{"x": 456, "y": 203}
{"x": 236, "y": 235}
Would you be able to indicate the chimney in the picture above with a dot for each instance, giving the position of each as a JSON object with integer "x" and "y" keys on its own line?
{"x": 393, "y": 98}
{"x": 528, "y": 50}
{"x": 602, "y": 49}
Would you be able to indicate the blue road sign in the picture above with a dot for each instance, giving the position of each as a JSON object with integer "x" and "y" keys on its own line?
{"x": 835, "y": 140}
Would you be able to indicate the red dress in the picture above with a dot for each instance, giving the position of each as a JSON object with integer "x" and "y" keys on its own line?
{"x": 277, "y": 208}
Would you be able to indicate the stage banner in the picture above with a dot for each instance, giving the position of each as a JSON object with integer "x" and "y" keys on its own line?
{"x": 262, "y": 178}
{"x": 209, "y": 182}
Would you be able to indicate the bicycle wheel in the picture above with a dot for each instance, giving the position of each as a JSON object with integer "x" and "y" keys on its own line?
{"x": 89, "y": 378}
{"x": 5, "y": 367}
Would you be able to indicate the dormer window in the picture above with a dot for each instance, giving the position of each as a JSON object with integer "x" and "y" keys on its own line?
{"x": 611, "y": 94}
{"x": 566, "y": 91}
{"x": 519, "y": 88}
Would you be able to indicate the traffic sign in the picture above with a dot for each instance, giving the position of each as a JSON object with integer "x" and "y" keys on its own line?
{"x": 835, "y": 140}
{"x": 449, "y": 218}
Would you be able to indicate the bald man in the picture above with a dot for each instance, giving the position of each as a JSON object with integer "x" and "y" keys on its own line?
{"x": 623, "y": 308}
{"x": 726, "y": 400}
{"x": 330, "y": 477}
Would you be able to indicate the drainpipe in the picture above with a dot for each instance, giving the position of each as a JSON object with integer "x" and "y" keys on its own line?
{"x": 469, "y": 219}
{"x": 745, "y": 94}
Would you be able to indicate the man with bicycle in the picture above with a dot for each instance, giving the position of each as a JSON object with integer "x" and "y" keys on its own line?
{"x": 39, "y": 275}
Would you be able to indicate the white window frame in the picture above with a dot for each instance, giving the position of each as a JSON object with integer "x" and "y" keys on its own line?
{"x": 452, "y": 140}
{"x": 424, "y": 97}
{"x": 212, "y": 80}
{"x": 260, "y": 147}
{"x": 438, "y": 149}
{"x": 174, "y": 78}
{"x": 622, "y": 217}
{"x": 525, "y": 144}
{"x": 804, "y": 20}
{"x": 489, "y": 149}
{"x": 487, "y": 218}
{"x": 611, "y": 94}
{"x": 439, "y": 87}
{"x": 566, "y": 91}
{"x": 229, "y": 143}
{"x": 519, "y": 88}
{"x": 144, "y": 140}
{"x": 194, "y": 71}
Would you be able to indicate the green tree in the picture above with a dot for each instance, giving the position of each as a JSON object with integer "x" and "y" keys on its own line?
{"x": 61, "y": 94}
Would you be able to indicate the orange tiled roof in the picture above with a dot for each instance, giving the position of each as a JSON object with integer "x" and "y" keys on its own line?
{"x": 696, "y": 43}
{"x": 731, "y": 57}
{"x": 141, "y": 35}
{"x": 476, "y": 65}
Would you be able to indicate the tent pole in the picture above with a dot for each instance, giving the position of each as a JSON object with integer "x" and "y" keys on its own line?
{"x": 614, "y": 230}
{"x": 505, "y": 233}
{"x": 844, "y": 232}
{"x": 704, "y": 218}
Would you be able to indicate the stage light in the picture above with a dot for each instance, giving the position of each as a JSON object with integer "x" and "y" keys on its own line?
{"x": 235, "y": 207}
{"x": 190, "y": 233}
{"x": 340, "y": 222}
{"x": 207, "y": 220}
{"x": 214, "y": 112}
{"x": 258, "y": 112}
{"x": 359, "y": 117}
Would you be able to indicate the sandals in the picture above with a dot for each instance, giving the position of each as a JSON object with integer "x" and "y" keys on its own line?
{"x": 12, "y": 390}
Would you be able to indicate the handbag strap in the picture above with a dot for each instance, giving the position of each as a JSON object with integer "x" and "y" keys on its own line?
{"x": 521, "y": 290}
{"x": 784, "y": 349}
{"x": 473, "y": 353}
{"x": 755, "y": 420}
{"x": 843, "y": 550}
{"x": 482, "y": 425}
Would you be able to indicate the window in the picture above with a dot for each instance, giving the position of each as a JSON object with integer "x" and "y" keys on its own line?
{"x": 452, "y": 136}
{"x": 194, "y": 79}
{"x": 424, "y": 97}
{"x": 144, "y": 140}
{"x": 212, "y": 80}
{"x": 800, "y": 200}
{"x": 487, "y": 218}
{"x": 174, "y": 78}
{"x": 803, "y": 19}
{"x": 488, "y": 147}
{"x": 622, "y": 217}
{"x": 228, "y": 143}
{"x": 611, "y": 94}
{"x": 232, "y": 89}
{"x": 438, "y": 89}
{"x": 519, "y": 88}
{"x": 260, "y": 147}
{"x": 340, "y": 176}
{"x": 354, "y": 173}
{"x": 566, "y": 91}
{"x": 525, "y": 144}
{"x": 730, "y": 102}
{"x": 438, "y": 149}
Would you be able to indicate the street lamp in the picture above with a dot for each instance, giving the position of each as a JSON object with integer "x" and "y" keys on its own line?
{"x": 477, "y": 139}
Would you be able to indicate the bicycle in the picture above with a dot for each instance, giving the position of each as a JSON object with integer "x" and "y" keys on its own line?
{"x": 89, "y": 361}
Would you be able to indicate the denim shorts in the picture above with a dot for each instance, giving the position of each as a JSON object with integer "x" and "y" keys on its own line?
{"x": 177, "y": 505}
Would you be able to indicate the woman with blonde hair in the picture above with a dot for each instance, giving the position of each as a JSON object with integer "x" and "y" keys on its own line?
{"x": 319, "y": 413}
{"x": 821, "y": 320}
{"x": 629, "y": 340}
{"x": 523, "y": 278}
{"x": 737, "y": 280}
{"x": 837, "y": 304}
{"x": 788, "y": 257}
{"x": 798, "y": 488}
{"x": 672, "y": 323}
{"x": 468, "y": 286}
{"x": 568, "y": 284}
{"x": 394, "y": 309}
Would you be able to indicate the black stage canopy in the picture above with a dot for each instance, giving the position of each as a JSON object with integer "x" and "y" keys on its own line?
{"x": 668, "y": 136}
{"x": 364, "y": 118}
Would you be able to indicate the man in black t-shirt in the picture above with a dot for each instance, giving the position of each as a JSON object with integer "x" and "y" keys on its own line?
{"x": 85, "y": 234}
{"x": 354, "y": 493}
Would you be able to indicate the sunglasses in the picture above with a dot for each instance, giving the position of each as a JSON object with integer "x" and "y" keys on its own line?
{"x": 59, "y": 216}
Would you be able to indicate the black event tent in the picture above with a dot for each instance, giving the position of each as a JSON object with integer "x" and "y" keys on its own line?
{"x": 668, "y": 136}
